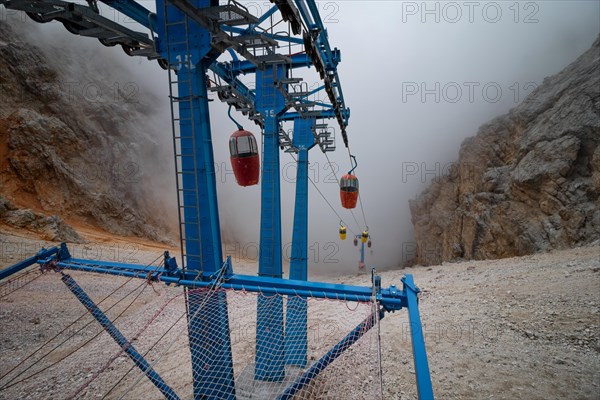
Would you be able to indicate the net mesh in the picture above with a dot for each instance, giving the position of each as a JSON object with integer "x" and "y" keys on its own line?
{"x": 157, "y": 326}
{"x": 17, "y": 282}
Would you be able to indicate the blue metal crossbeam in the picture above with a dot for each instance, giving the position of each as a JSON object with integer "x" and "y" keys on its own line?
{"x": 41, "y": 255}
{"x": 391, "y": 299}
{"x": 317, "y": 25}
{"x": 318, "y": 114}
{"x": 279, "y": 38}
{"x": 301, "y": 60}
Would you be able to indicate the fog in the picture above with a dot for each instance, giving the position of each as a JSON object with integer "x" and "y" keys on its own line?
{"x": 419, "y": 77}
{"x": 90, "y": 72}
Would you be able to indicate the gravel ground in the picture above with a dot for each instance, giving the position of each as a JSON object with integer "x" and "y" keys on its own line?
{"x": 519, "y": 328}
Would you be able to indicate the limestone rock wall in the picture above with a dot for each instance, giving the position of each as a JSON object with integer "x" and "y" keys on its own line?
{"x": 529, "y": 181}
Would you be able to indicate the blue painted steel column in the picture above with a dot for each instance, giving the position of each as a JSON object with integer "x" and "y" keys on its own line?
{"x": 362, "y": 253}
{"x": 208, "y": 322}
{"x": 118, "y": 337}
{"x": 270, "y": 355}
{"x": 201, "y": 212}
{"x": 187, "y": 47}
{"x": 296, "y": 340}
{"x": 21, "y": 265}
{"x": 424, "y": 389}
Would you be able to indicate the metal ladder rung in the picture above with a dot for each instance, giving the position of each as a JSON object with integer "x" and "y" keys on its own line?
{"x": 180, "y": 22}
{"x": 290, "y": 81}
{"x": 182, "y": 99}
{"x": 298, "y": 94}
{"x": 177, "y": 43}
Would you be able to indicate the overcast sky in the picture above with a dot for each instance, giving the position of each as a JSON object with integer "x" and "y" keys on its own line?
{"x": 419, "y": 77}
{"x": 474, "y": 61}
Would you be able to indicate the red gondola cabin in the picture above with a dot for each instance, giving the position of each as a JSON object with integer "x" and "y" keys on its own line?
{"x": 244, "y": 157}
{"x": 349, "y": 191}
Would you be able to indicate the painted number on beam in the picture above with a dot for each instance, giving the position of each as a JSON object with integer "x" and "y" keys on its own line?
{"x": 185, "y": 60}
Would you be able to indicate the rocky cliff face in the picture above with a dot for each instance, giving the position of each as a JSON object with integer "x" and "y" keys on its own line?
{"x": 75, "y": 143}
{"x": 529, "y": 181}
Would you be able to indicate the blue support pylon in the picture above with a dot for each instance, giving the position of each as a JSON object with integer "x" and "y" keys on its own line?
{"x": 270, "y": 355}
{"x": 296, "y": 339}
{"x": 201, "y": 213}
{"x": 203, "y": 252}
{"x": 424, "y": 388}
{"x": 361, "y": 265}
{"x": 187, "y": 47}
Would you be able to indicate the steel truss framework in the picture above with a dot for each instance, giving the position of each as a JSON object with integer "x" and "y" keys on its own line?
{"x": 187, "y": 37}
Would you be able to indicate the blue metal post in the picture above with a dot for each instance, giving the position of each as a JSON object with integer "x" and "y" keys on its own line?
{"x": 270, "y": 356}
{"x": 362, "y": 255}
{"x": 21, "y": 265}
{"x": 201, "y": 213}
{"x": 296, "y": 341}
{"x": 328, "y": 358}
{"x": 187, "y": 47}
{"x": 208, "y": 318}
{"x": 118, "y": 337}
{"x": 424, "y": 389}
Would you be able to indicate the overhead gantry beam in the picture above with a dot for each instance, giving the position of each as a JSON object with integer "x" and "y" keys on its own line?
{"x": 85, "y": 21}
{"x": 231, "y": 27}
{"x": 391, "y": 298}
